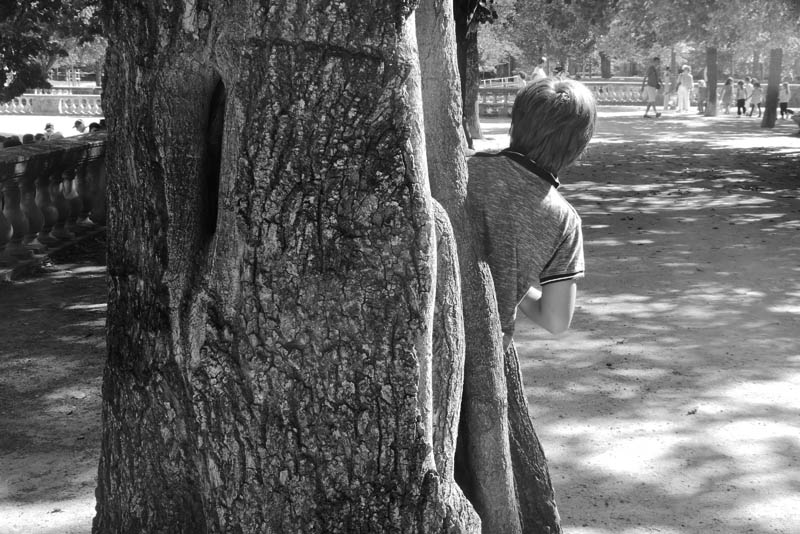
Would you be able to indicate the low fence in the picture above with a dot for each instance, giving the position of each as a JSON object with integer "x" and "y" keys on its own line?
{"x": 497, "y": 99}
{"x": 50, "y": 192}
{"x": 57, "y": 103}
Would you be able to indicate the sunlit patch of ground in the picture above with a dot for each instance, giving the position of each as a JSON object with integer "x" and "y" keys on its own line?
{"x": 672, "y": 404}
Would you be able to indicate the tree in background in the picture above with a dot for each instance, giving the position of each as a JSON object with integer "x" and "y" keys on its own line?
{"x": 495, "y": 45}
{"x": 36, "y": 35}
{"x": 469, "y": 16}
{"x": 634, "y": 30}
{"x": 567, "y": 32}
{"x": 699, "y": 29}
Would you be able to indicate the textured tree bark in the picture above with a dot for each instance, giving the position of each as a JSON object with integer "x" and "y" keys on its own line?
{"x": 756, "y": 68}
{"x": 448, "y": 375}
{"x": 771, "y": 103}
{"x": 472, "y": 81}
{"x": 467, "y": 56}
{"x": 272, "y": 268}
{"x": 605, "y": 66}
{"x": 537, "y": 501}
{"x": 485, "y": 471}
{"x": 497, "y": 443}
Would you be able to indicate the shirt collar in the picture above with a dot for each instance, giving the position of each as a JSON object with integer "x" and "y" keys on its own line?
{"x": 532, "y": 166}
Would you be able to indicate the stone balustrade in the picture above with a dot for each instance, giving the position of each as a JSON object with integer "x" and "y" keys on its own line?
{"x": 498, "y": 101}
{"x": 50, "y": 193}
{"x": 494, "y": 100}
{"x": 84, "y": 105}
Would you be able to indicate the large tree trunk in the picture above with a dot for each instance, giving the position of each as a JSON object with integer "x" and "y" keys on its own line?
{"x": 469, "y": 75}
{"x": 272, "y": 265}
{"x": 771, "y": 103}
{"x": 755, "y": 70}
{"x": 486, "y": 474}
{"x": 472, "y": 78}
{"x": 605, "y": 66}
{"x": 711, "y": 74}
{"x": 497, "y": 444}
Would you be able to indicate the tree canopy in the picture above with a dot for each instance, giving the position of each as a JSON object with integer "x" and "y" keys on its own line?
{"x": 35, "y": 34}
{"x": 631, "y": 30}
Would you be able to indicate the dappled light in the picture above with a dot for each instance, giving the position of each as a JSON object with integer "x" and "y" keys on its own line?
{"x": 677, "y": 387}
{"x": 51, "y": 361}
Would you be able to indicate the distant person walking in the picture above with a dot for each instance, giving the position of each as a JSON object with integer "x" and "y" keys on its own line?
{"x": 741, "y": 98}
{"x": 784, "y": 94}
{"x": 755, "y": 98}
{"x": 650, "y": 86}
{"x": 702, "y": 96}
{"x": 727, "y": 95}
{"x": 539, "y": 72}
{"x": 685, "y": 84}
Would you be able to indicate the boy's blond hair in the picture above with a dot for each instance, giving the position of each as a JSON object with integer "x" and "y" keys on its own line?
{"x": 552, "y": 121}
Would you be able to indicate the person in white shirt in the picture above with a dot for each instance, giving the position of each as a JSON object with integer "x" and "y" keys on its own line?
{"x": 685, "y": 86}
{"x": 538, "y": 72}
{"x": 784, "y": 94}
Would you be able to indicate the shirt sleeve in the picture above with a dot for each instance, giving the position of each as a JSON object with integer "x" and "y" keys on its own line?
{"x": 567, "y": 262}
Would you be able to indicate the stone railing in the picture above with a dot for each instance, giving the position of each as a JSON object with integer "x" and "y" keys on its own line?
{"x": 53, "y": 104}
{"x": 497, "y": 100}
{"x": 50, "y": 193}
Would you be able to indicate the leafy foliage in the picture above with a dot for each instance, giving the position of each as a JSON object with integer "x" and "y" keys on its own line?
{"x": 34, "y": 35}
{"x": 740, "y": 27}
{"x": 559, "y": 29}
{"x": 633, "y": 30}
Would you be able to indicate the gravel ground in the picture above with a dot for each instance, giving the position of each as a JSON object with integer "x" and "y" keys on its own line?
{"x": 670, "y": 407}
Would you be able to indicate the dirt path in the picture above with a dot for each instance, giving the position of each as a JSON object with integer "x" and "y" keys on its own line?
{"x": 672, "y": 406}
{"x": 52, "y": 349}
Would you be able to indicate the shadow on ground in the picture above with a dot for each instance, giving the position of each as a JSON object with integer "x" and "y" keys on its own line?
{"x": 51, "y": 360}
{"x": 672, "y": 406}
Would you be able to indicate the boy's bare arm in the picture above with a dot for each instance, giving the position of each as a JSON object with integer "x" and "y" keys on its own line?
{"x": 552, "y": 307}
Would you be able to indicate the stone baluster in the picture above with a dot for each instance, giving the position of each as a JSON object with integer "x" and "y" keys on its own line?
{"x": 27, "y": 173}
{"x": 94, "y": 193}
{"x": 58, "y": 202}
{"x": 71, "y": 191}
{"x": 47, "y": 206}
{"x": 5, "y": 234}
{"x": 14, "y": 215}
{"x": 61, "y": 203}
{"x": 74, "y": 188}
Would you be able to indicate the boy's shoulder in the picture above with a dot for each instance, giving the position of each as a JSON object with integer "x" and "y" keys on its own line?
{"x": 511, "y": 167}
